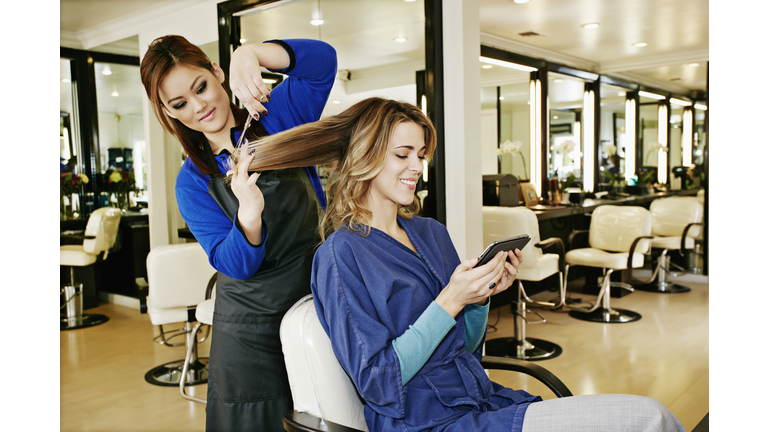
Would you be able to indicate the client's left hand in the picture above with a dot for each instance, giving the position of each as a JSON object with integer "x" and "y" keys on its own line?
{"x": 510, "y": 271}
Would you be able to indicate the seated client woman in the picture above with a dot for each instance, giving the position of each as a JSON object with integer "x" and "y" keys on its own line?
{"x": 406, "y": 317}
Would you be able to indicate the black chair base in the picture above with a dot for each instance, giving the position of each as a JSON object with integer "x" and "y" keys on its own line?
{"x": 169, "y": 374}
{"x": 669, "y": 288}
{"x": 85, "y": 320}
{"x": 606, "y": 315}
{"x": 508, "y": 348}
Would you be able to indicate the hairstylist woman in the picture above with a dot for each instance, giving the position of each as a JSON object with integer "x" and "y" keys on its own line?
{"x": 259, "y": 230}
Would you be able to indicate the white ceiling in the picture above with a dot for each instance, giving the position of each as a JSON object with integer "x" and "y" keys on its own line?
{"x": 362, "y": 31}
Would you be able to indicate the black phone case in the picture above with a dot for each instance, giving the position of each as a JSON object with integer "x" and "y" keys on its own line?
{"x": 511, "y": 243}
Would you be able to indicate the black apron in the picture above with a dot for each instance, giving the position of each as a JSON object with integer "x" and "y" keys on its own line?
{"x": 247, "y": 384}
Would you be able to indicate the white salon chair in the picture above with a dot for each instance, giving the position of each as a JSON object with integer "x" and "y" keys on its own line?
{"x": 619, "y": 237}
{"x": 204, "y": 316}
{"x": 504, "y": 222}
{"x": 324, "y": 397}
{"x": 677, "y": 223}
{"x": 177, "y": 279}
{"x": 100, "y": 235}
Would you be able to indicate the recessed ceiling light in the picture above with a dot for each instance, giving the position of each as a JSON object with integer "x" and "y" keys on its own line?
{"x": 639, "y": 44}
{"x": 410, "y": 1}
{"x": 487, "y": 66}
{"x": 316, "y": 22}
{"x": 400, "y": 39}
{"x": 521, "y": 1}
{"x": 65, "y": 80}
{"x": 107, "y": 71}
{"x": 501, "y": 97}
{"x": 115, "y": 93}
{"x": 693, "y": 64}
{"x": 337, "y": 102}
{"x": 591, "y": 25}
{"x": 555, "y": 117}
{"x": 558, "y": 80}
{"x": 242, "y": 40}
{"x": 621, "y": 94}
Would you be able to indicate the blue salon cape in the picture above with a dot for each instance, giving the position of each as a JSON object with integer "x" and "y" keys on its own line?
{"x": 367, "y": 291}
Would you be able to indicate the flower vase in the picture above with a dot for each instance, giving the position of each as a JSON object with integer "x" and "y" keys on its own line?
{"x": 68, "y": 210}
{"x": 121, "y": 198}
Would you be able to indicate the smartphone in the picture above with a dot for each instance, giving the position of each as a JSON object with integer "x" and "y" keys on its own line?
{"x": 510, "y": 244}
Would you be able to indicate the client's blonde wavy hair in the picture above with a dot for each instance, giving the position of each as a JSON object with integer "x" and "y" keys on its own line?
{"x": 359, "y": 141}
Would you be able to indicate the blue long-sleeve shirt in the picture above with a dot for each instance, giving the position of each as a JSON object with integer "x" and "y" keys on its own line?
{"x": 368, "y": 292}
{"x": 299, "y": 99}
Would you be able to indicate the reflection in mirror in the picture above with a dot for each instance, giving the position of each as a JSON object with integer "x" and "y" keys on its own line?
{"x": 611, "y": 151}
{"x": 566, "y": 102}
{"x": 122, "y": 148}
{"x": 378, "y": 55}
{"x": 505, "y": 121}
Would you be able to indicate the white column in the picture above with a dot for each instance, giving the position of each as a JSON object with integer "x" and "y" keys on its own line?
{"x": 463, "y": 165}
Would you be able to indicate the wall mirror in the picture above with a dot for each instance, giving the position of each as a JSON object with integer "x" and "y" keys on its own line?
{"x": 675, "y": 135}
{"x": 505, "y": 120}
{"x": 699, "y": 133}
{"x": 121, "y": 123}
{"x": 566, "y": 103}
{"x": 612, "y": 141}
{"x": 69, "y": 143}
{"x": 648, "y": 145}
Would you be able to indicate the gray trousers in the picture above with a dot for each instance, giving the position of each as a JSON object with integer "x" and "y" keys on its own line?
{"x": 600, "y": 413}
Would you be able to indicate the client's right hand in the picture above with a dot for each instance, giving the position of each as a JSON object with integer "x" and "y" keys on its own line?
{"x": 470, "y": 285}
{"x": 250, "y": 198}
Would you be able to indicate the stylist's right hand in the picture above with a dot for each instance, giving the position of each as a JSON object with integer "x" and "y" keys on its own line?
{"x": 470, "y": 284}
{"x": 250, "y": 198}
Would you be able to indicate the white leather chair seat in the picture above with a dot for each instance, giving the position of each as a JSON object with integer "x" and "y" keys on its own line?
{"x": 318, "y": 383}
{"x": 591, "y": 257}
{"x": 204, "y": 312}
{"x": 671, "y": 243}
{"x": 545, "y": 267}
{"x": 162, "y": 316}
{"x": 75, "y": 255}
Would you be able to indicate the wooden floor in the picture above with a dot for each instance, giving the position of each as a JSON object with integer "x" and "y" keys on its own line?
{"x": 665, "y": 355}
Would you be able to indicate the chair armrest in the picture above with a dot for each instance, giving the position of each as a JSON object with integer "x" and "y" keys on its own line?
{"x": 211, "y": 284}
{"x": 558, "y": 242}
{"x": 685, "y": 234}
{"x": 143, "y": 289}
{"x": 632, "y": 253}
{"x": 574, "y": 234}
{"x": 295, "y": 421}
{"x": 529, "y": 368}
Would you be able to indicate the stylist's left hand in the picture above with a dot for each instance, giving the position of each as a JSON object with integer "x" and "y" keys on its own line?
{"x": 246, "y": 82}
{"x": 510, "y": 271}
{"x": 250, "y": 198}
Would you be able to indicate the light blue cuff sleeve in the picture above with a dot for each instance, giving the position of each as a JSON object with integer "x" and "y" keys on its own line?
{"x": 416, "y": 345}
{"x": 475, "y": 323}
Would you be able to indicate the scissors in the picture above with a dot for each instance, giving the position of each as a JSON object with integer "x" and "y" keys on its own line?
{"x": 245, "y": 128}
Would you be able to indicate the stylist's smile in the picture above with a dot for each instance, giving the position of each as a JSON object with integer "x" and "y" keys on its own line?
{"x": 208, "y": 116}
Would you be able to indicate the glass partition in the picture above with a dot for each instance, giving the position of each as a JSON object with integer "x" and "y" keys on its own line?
{"x": 566, "y": 103}
{"x": 611, "y": 151}
{"x": 699, "y": 133}
{"x": 122, "y": 148}
{"x": 505, "y": 121}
